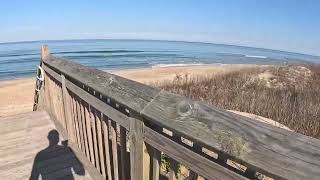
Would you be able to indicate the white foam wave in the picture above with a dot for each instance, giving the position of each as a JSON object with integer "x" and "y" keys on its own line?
{"x": 253, "y": 56}
{"x": 174, "y": 65}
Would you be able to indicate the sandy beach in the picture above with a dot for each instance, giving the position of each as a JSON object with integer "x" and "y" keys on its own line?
{"x": 17, "y": 95}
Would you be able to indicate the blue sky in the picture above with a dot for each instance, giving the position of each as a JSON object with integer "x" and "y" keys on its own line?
{"x": 292, "y": 25}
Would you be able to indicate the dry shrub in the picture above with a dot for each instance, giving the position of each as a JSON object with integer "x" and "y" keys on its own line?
{"x": 290, "y": 95}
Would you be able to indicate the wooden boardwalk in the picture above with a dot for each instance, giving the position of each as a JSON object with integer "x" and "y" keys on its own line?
{"x": 120, "y": 130}
{"x": 25, "y": 150}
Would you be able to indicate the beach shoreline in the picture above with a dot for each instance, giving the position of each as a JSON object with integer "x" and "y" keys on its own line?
{"x": 17, "y": 95}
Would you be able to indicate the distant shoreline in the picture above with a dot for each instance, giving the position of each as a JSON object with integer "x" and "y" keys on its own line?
{"x": 161, "y": 40}
{"x": 19, "y": 60}
{"x": 155, "y": 67}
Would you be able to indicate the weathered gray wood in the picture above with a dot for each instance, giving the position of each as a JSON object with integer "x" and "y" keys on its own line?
{"x": 67, "y": 108}
{"x": 114, "y": 150}
{"x": 115, "y": 115}
{"x": 52, "y": 73}
{"x": 61, "y": 107}
{"x": 35, "y": 128}
{"x": 53, "y": 96}
{"x": 94, "y": 173}
{"x": 136, "y": 149}
{"x": 106, "y": 145}
{"x": 56, "y": 103}
{"x": 126, "y": 92}
{"x": 192, "y": 175}
{"x": 125, "y": 159}
{"x": 263, "y": 148}
{"x": 254, "y": 144}
{"x": 44, "y": 51}
{"x": 155, "y": 164}
{"x": 89, "y": 133}
{"x": 100, "y": 143}
{"x": 94, "y": 136}
{"x": 74, "y": 115}
{"x": 194, "y": 161}
{"x": 84, "y": 128}
{"x": 79, "y": 119}
{"x": 173, "y": 171}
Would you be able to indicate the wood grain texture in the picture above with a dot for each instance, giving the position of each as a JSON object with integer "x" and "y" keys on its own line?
{"x": 112, "y": 113}
{"x": 270, "y": 150}
{"x": 67, "y": 108}
{"x": 89, "y": 133}
{"x": 84, "y": 128}
{"x": 155, "y": 164}
{"x": 100, "y": 143}
{"x": 44, "y": 51}
{"x": 94, "y": 137}
{"x": 114, "y": 150}
{"x": 52, "y": 73}
{"x": 79, "y": 121}
{"x": 173, "y": 171}
{"x": 94, "y": 173}
{"x": 192, "y": 160}
{"x": 107, "y": 146}
{"x": 136, "y": 149}
{"x": 125, "y": 159}
{"x": 264, "y": 148}
{"x": 26, "y": 139}
{"x": 74, "y": 112}
{"x": 192, "y": 176}
{"x": 126, "y": 92}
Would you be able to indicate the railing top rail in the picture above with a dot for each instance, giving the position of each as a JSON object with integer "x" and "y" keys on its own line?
{"x": 270, "y": 150}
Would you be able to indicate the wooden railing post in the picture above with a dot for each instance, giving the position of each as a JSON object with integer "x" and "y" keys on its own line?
{"x": 173, "y": 169}
{"x": 136, "y": 149}
{"x": 67, "y": 108}
{"x": 156, "y": 154}
{"x": 39, "y": 82}
{"x": 44, "y": 52}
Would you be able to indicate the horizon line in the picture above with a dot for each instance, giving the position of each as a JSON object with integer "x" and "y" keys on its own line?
{"x": 184, "y": 41}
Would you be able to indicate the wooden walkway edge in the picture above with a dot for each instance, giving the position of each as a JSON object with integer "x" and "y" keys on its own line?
{"x": 24, "y": 149}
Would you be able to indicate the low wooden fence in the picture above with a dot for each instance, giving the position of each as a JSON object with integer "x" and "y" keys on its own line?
{"x": 122, "y": 129}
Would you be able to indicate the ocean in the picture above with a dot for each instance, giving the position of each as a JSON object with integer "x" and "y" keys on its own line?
{"x": 18, "y": 60}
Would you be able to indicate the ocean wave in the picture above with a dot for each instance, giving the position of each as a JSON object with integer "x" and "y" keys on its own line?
{"x": 102, "y": 51}
{"x": 175, "y": 65}
{"x": 18, "y": 55}
{"x": 144, "y": 55}
{"x": 255, "y": 56}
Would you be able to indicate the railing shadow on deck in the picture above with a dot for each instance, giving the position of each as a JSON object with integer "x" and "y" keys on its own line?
{"x": 121, "y": 129}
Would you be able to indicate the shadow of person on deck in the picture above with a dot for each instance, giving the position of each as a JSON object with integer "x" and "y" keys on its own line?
{"x": 56, "y": 161}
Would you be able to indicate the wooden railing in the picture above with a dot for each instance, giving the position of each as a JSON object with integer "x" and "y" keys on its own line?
{"x": 122, "y": 129}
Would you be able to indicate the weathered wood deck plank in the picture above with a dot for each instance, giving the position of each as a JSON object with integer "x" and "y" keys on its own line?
{"x": 23, "y": 137}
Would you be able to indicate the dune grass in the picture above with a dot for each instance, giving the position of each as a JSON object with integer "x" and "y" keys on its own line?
{"x": 288, "y": 94}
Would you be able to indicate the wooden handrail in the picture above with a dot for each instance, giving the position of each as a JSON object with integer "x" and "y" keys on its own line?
{"x": 105, "y": 100}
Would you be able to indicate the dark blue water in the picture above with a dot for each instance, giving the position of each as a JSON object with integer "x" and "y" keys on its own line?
{"x": 21, "y": 59}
